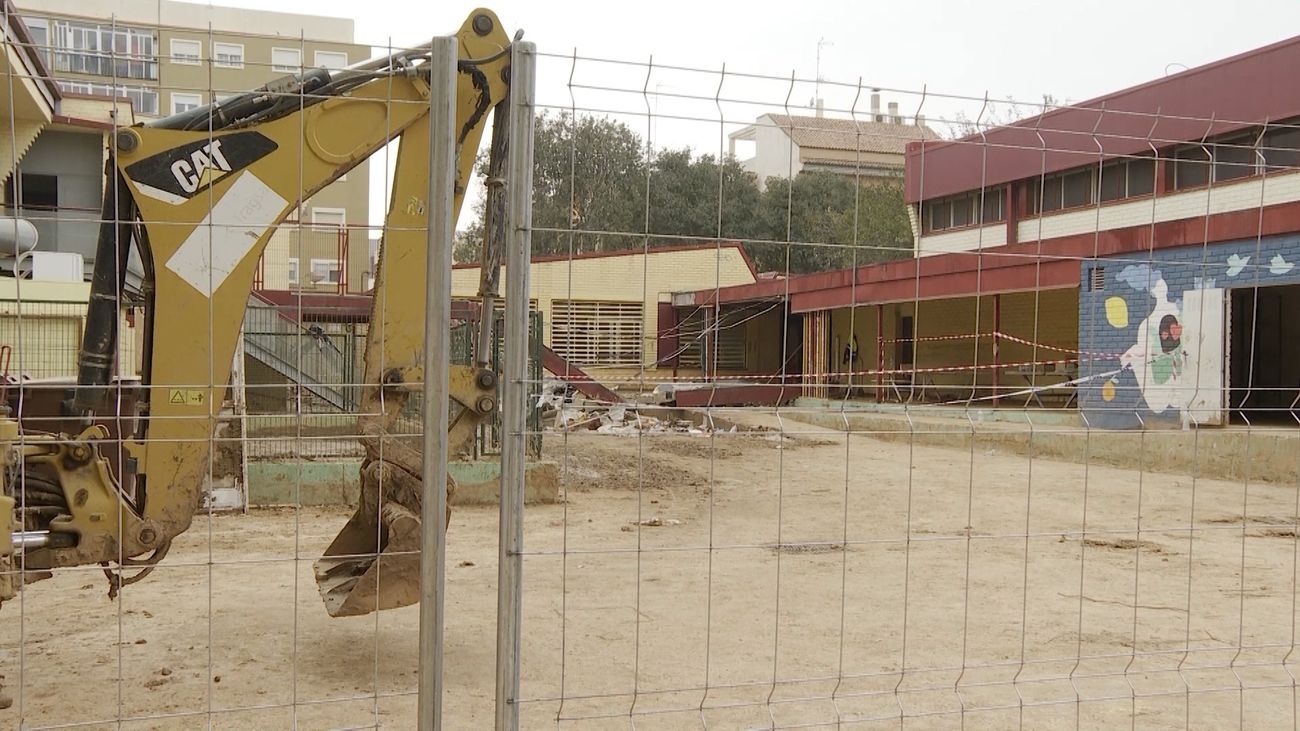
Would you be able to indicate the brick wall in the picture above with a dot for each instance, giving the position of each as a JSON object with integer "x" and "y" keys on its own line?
{"x": 1110, "y": 316}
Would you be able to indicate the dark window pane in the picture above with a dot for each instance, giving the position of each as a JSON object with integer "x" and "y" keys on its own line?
{"x": 961, "y": 212}
{"x": 1112, "y": 181}
{"x": 1234, "y": 159}
{"x": 1078, "y": 189}
{"x": 1141, "y": 177}
{"x": 1052, "y": 194}
{"x": 993, "y": 205}
{"x": 39, "y": 192}
{"x": 903, "y": 342}
{"x": 1282, "y": 148}
{"x": 940, "y": 215}
{"x": 1191, "y": 167}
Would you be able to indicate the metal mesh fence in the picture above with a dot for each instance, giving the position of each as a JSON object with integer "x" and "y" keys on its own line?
{"x": 844, "y": 404}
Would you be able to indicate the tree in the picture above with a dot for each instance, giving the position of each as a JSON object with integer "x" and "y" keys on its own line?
{"x": 819, "y": 216}
{"x": 594, "y": 177}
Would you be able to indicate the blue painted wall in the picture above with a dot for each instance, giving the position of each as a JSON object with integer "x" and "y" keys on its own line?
{"x": 1110, "y": 318}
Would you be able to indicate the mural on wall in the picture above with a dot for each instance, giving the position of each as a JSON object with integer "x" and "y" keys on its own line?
{"x": 1153, "y": 336}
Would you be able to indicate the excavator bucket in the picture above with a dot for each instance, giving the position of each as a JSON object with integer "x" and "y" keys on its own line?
{"x": 374, "y": 561}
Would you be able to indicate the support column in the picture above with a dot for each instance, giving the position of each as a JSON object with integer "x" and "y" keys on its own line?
{"x": 997, "y": 361}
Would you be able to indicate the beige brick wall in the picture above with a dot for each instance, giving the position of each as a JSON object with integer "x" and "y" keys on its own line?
{"x": 629, "y": 278}
{"x": 42, "y": 324}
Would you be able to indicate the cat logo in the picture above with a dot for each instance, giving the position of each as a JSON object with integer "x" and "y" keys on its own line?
{"x": 176, "y": 175}
{"x": 205, "y": 165}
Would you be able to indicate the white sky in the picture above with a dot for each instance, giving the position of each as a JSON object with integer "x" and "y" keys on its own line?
{"x": 1017, "y": 48}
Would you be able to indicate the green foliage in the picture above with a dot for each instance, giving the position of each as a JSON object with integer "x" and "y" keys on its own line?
{"x": 594, "y": 183}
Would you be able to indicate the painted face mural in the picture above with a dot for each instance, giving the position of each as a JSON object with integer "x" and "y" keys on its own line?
{"x": 1157, "y": 358}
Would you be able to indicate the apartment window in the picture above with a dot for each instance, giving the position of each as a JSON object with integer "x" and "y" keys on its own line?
{"x": 228, "y": 55}
{"x": 326, "y": 271}
{"x": 143, "y": 99}
{"x": 293, "y": 270}
{"x": 40, "y": 32}
{"x": 965, "y": 210}
{"x": 185, "y": 102}
{"x": 335, "y": 217}
{"x": 600, "y": 333}
{"x": 331, "y": 60}
{"x": 35, "y": 192}
{"x": 104, "y": 50}
{"x": 186, "y": 53}
{"x": 288, "y": 60}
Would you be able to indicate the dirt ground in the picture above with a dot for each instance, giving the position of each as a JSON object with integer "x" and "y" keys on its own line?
{"x": 801, "y": 579}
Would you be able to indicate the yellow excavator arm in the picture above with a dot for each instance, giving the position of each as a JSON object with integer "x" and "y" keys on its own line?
{"x": 198, "y": 195}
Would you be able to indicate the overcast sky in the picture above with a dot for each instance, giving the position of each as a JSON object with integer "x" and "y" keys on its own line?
{"x": 1015, "y": 48}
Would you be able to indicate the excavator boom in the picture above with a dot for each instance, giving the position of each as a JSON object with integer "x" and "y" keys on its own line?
{"x": 198, "y": 196}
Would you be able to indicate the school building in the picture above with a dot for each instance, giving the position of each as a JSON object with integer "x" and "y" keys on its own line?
{"x": 1133, "y": 256}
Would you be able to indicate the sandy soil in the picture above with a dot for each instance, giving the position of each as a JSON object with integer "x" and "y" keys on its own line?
{"x": 891, "y": 579}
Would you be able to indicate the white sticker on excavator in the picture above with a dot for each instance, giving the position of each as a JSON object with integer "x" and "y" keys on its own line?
{"x": 226, "y": 235}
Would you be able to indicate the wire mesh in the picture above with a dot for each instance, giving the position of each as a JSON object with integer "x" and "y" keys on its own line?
{"x": 850, "y": 405}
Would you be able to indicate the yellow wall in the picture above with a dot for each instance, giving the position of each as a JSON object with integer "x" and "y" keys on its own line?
{"x": 631, "y": 278}
{"x": 1049, "y": 318}
{"x": 42, "y": 323}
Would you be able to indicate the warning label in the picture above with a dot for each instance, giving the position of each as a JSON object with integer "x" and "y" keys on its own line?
{"x": 186, "y": 396}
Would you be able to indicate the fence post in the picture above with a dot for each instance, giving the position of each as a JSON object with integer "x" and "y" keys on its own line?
{"x": 437, "y": 348}
{"x": 519, "y": 170}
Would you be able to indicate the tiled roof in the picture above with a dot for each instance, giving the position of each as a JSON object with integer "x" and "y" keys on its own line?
{"x": 851, "y": 135}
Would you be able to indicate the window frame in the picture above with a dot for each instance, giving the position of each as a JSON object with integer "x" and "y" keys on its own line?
{"x": 342, "y": 213}
{"x": 293, "y": 270}
{"x": 198, "y": 100}
{"x": 195, "y": 59}
{"x": 216, "y": 53}
{"x": 316, "y": 63}
{"x": 335, "y": 266}
{"x": 295, "y": 68}
{"x": 975, "y": 210}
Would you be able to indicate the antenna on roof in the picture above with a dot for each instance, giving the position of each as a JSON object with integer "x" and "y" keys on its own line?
{"x": 816, "y": 101}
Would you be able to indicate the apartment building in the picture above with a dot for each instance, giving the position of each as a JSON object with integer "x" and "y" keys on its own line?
{"x": 163, "y": 57}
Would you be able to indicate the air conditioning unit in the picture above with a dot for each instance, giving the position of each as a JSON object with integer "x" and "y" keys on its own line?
{"x": 56, "y": 266}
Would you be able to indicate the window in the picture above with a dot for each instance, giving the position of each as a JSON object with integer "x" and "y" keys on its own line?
{"x": 143, "y": 99}
{"x": 331, "y": 60}
{"x": 597, "y": 333}
{"x": 336, "y": 217}
{"x": 1234, "y": 158}
{"x": 35, "y": 193}
{"x": 104, "y": 50}
{"x": 1064, "y": 190}
{"x": 293, "y": 270}
{"x": 965, "y": 210}
{"x": 326, "y": 271}
{"x": 228, "y": 55}
{"x": 1281, "y": 148}
{"x": 1190, "y": 167}
{"x": 40, "y": 32}
{"x": 288, "y": 60}
{"x": 186, "y": 52}
{"x": 185, "y": 102}
{"x": 1126, "y": 179}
